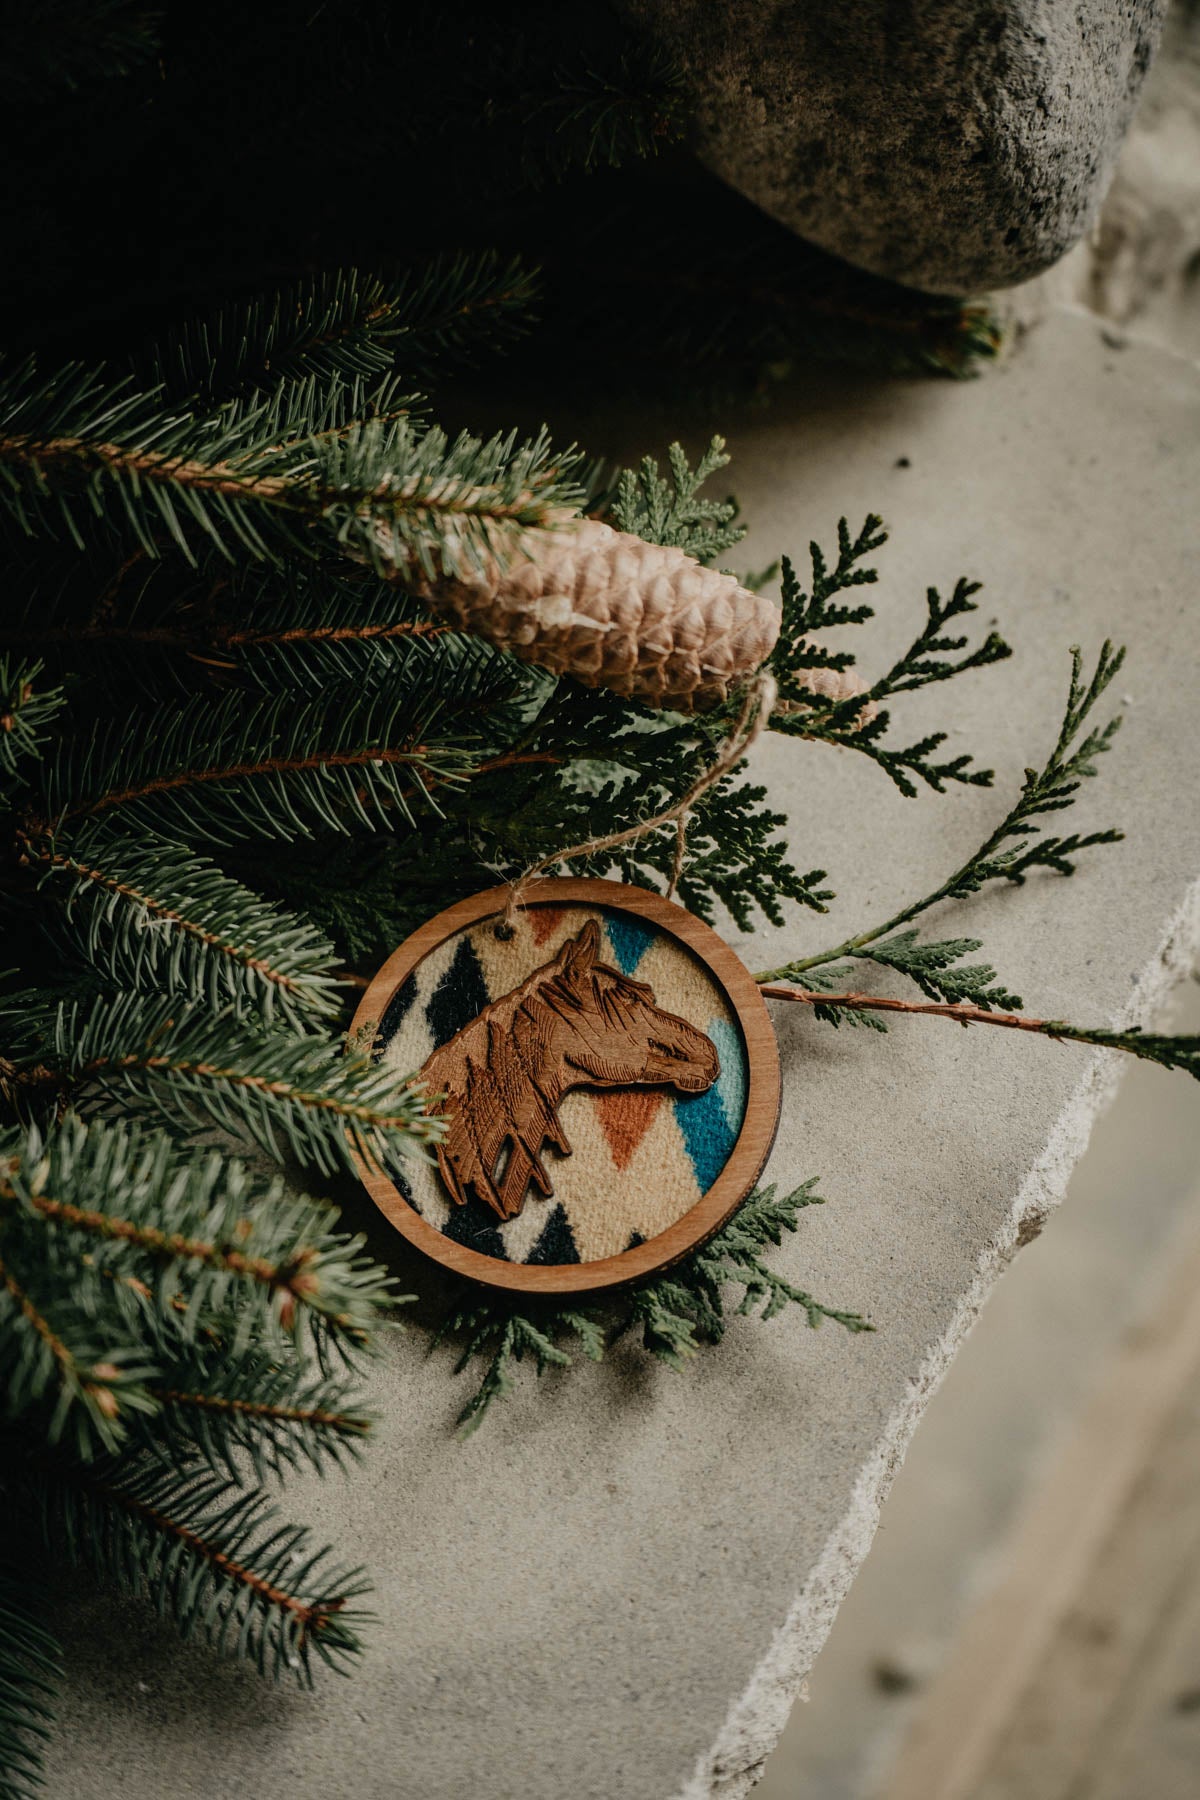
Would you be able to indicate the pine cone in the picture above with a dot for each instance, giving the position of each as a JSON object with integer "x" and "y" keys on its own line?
{"x": 649, "y": 622}
{"x": 835, "y": 684}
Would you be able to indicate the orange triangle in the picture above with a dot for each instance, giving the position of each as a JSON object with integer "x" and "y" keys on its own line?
{"x": 544, "y": 921}
{"x": 625, "y": 1118}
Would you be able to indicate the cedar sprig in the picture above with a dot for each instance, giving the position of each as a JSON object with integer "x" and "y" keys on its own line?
{"x": 674, "y": 512}
{"x": 861, "y": 721}
{"x": 733, "y": 855}
{"x": 506, "y": 1336}
{"x": 675, "y": 1314}
{"x": 1016, "y": 846}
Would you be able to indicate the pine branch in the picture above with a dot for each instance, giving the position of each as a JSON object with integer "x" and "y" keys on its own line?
{"x": 161, "y": 1275}
{"x": 613, "y": 105}
{"x": 274, "y": 767}
{"x": 76, "y": 444}
{"x": 307, "y": 626}
{"x": 148, "y": 914}
{"x": 346, "y": 323}
{"x": 30, "y": 1676}
{"x": 211, "y": 1554}
{"x": 297, "y": 1097}
{"x": 234, "y": 1409}
{"x": 75, "y": 1381}
{"x": 27, "y": 707}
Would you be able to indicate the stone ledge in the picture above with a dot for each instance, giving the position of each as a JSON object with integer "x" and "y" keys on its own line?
{"x": 615, "y": 1589}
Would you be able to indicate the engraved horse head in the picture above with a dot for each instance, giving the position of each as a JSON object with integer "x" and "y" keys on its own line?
{"x": 575, "y": 1022}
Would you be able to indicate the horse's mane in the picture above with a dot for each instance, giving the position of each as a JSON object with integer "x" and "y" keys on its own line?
{"x": 493, "y": 1072}
{"x": 504, "y": 1074}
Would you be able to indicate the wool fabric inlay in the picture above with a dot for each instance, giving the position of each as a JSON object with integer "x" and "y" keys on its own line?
{"x": 641, "y": 1155}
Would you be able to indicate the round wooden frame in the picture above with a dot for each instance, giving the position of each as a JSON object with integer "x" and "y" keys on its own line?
{"x": 746, "y": 1159}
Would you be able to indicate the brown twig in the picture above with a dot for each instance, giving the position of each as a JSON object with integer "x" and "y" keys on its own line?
{"x": 958, "y": 1012}
{"x": 262, "y": 1409}
{"x": 30, "y": 1313}
{"x": 756, "y": 710}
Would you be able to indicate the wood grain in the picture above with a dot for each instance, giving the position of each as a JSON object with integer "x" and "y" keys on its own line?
{"x": 746, "y": 1159}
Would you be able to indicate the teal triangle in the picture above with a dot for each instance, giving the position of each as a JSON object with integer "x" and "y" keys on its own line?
{"x": 630, "y": 941}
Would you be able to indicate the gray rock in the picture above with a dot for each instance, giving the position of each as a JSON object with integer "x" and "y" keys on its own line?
{"x": 950, "y": 144}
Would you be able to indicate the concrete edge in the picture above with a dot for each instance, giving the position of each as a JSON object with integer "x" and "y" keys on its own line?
{"x": 756, "y": 1719}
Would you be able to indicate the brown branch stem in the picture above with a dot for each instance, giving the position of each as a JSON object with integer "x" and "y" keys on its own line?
{"x": 958, "y": 1012}
{"x": 30, "y": 1313}
{"x": 294, "y": 1276}
{"x": 311, "y": 1614}
{"x": 262, "y": 1409}
{"x": 168, "y": 914}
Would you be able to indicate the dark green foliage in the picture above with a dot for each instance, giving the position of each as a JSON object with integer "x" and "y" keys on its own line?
{"x": 931, "y": 657}
{"x": 676, "y": 1314}
{"x": 172, "y": 1331}
{"x": 346, "y": 324}
{"x": 611, "y": 105}
{"x": 1181, "y": 1051}
{"x": 30, "y": 1673}
{"x": 69, "y": 44}
{"x": 1010, "y": 852}
{"x": 195, "y": 1542}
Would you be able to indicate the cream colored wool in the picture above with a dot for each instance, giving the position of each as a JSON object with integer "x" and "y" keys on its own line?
{"x": 584, "y": 600}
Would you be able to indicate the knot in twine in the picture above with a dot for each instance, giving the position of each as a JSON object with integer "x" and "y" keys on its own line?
{"x": 755, "y": 712}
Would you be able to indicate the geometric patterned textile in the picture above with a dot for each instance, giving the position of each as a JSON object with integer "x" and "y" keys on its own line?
{"x": 640, "y": 1157}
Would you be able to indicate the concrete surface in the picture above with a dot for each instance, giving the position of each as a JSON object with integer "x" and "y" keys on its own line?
{"x": 992, "y": 1440}
{"x": 614, "y": 1591}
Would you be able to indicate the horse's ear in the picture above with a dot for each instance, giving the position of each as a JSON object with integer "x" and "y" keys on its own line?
{"x": 580, "y": 953}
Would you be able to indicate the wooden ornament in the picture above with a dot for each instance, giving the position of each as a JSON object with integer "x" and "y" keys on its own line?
{"x": 608, "y": 1075}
